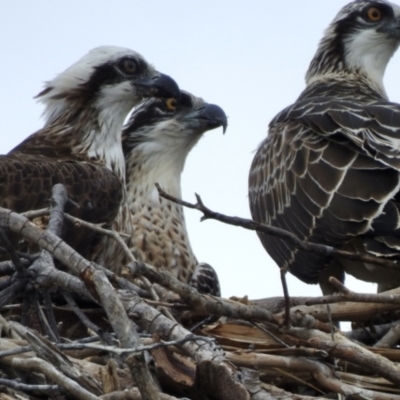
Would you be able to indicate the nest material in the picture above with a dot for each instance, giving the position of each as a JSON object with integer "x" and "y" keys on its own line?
{"x": 81, "y": 332}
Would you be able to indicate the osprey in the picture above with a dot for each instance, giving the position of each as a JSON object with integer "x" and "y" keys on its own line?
{"x": 156, "y": 142}
{"x": 329, "y": 169}
{"x": 80, "y": 143}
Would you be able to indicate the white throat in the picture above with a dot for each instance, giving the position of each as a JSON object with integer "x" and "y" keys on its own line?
{"x": 370, "y": 52}
{"x": 145, "y": 168}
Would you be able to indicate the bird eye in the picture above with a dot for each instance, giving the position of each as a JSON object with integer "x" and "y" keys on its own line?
{"x": 374, "y": 14}
{"x": 171, "y": 104}
{"x": 128, "y": 66}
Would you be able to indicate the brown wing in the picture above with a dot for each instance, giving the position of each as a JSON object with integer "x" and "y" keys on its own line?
{"x": 26, "y": 182}
{"x": 328, "y": 172}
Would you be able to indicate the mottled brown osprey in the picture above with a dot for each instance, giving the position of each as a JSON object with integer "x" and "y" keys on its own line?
{"x": 329, "y": 169}
{"x": 80, "y": 143}
{"x": 156, "y": 142}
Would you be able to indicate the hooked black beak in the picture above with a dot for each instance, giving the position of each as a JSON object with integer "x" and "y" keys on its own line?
{"x": 392, "y": 29}
{"x": 214, "y": 116}
{"x": 161, "y": 85}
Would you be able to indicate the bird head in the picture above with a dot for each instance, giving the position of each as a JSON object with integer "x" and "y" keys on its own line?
{"x": 361, "y": 40}
{"x": 108, "y": 78}
{"x": 166, "y": 126}
{"x": 160, "y": 134}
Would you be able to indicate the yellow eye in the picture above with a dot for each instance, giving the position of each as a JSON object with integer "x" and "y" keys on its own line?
{"x": 374, "y": 14}
{"x": 128, "y": 66}
{"x": 171, "y": 104}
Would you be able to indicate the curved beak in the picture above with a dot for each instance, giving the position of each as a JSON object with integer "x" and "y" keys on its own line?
{"x": 160, "y": 85}
{"x": 392, "y": 29}
{"x": 212, "y": 115}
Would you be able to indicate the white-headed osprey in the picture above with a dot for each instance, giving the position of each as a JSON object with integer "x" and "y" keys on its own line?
{"x": 80, "y": 143}
{"x": 329, "y": 169}
{"x": 156, "y": 142}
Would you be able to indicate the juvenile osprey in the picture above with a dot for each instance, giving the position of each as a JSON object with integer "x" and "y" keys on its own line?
{"x": 329, "y": 169}
{"x": 80, "y": 143}
{"x": 156, "y": 142}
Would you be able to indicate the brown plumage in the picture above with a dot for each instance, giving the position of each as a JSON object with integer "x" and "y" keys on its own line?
{"x": 80, "y": 144}
{"x": 329, "y": 169}
{"x": 156, "y": 142}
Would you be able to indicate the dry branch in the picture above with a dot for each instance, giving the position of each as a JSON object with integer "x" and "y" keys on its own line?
{"x": 280, "y": 233}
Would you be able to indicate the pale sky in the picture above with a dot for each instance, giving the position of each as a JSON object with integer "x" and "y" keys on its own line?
{"x": 249, "y": 57}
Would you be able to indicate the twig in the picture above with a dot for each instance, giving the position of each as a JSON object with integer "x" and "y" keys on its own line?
{"x": 349, "y": 296}
{"x": 287, "y": 298}
{"x": 42, "y": 318}
{"x": 106, "y": 337}
{"x": 48, "y": 306}
{"x": 152, "y": 321}
{"x": 117, "y": 236}
{"x": 202, "y": 323}
{"x": 59, "y": 199}
{"x": 22, "y": 255}
{"x": 205, "y": 303}
{"x": 328, "y": 311}
{"x": 19, "y": 266}
{"x": 17, "y": 350}
{"x": 37, "y": 389}
{"x": 44, "y": 349}
{"x": 36, "y": 213}
{"x": 66, "y": 384}
{"x": 280, "y": 233}
{"x": 270, "y": 334}
{"x": 140, "y": 349}
{"x": 11, "y": 292}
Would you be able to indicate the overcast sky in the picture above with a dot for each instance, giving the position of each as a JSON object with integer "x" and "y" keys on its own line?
{"x": 248, "y": 57}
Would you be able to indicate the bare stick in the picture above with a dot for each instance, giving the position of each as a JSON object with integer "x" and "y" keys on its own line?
{"x": 126, "y": 332}
{"x": 48, "y": 306}
{"x": 204, "y": 303}
{"x": 140, "y": 349}
{"x": 37, "y": 389}
{"x": 66, "y": 384}
{"x": 281, "y": 233}
{"x": 59, "y": 199}
{"x": 287, "y": 298}
{"x": 106, "y": 337}
{"x": 14, "y": 290}
{"x": 270, "y": 334}
{"x": 347, "y": 295}
{"x": 11, "y": 252}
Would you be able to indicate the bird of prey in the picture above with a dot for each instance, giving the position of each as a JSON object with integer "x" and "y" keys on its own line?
{"x": 80, "y": 144}
{"x": 156, "y": 143}
{"x": 329, "y": 169}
